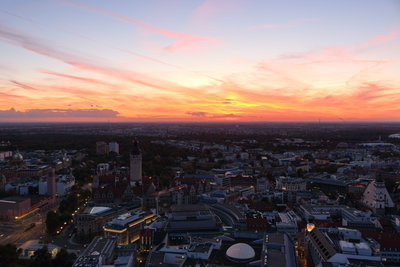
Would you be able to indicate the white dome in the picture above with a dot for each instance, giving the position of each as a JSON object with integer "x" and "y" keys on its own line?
{"x": 240, "y": 252}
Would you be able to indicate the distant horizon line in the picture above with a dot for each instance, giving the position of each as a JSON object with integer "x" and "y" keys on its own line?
{"x": 199, "y": 122}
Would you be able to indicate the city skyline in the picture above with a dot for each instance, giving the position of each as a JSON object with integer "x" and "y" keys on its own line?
{"x": 206, "y": 60}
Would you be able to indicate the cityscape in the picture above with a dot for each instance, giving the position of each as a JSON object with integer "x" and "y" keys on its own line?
{"x": 199, "y": 133}
{"x": 200, "y": 194}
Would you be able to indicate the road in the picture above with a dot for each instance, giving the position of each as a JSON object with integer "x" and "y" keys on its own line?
{"x": 18, "y": 232}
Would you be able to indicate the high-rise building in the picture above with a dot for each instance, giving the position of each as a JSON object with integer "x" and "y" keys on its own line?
{"x": 101, "y": 148}
{"x": 135, "y": 163}
{"x": 51, "y": 183}
{"x": 113, "y": 147}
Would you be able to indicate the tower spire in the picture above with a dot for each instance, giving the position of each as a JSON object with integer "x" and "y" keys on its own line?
{"x": 135, "y": 148}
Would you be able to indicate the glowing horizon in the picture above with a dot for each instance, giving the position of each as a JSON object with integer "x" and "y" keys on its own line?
{"x": 209, "y": 60}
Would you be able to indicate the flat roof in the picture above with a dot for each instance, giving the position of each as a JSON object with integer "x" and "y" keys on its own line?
{"x": 127, "y": 218}
{"x": 100, "y": 246}
{"x": 98, "y": 210}
{"x": 189, "y": 207}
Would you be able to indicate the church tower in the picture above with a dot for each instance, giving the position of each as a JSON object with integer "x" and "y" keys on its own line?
{"x": 377, "y": 197}
{"x": 135, "y": 163}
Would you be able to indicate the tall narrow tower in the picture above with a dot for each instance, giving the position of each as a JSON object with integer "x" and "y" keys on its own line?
{"x": 51, "y": 183}
{"x": 135, "y": 163}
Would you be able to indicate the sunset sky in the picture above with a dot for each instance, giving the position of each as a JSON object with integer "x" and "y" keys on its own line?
{"x": 199, "y": 60}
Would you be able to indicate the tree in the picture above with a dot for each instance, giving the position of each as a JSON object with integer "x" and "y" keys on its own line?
{"x": 69, "y": 205}
{"x": 41, "y": 258}
{"x": 82, "y": 174}
{"x": 390, "y": 185}
{"x": 9, "y": 255}
{"x": 53, "y": 222}
{"x": 64, "y": 259}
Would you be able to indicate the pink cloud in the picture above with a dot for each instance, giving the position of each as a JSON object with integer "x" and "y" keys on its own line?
{"x": 209, "y": 9}
{"x": 379, "y": 39}
{"x": 29, "y": 43}
{"x": 183, "y": 39}
{"x": 127, "y": 51}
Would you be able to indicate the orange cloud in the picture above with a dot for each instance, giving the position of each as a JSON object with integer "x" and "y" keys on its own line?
{"x": 278, "y": 89}
{"x": 57, "y": 114}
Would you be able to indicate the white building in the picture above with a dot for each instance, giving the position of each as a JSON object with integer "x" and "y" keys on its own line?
{"x": 113, "y": 147}
{"x": 377, "y": 197}
{"x": 339, "y": 246}
{"x": 291, "y": 184}
{"x": 4, "y": 155}
{"x": 64, "y": 183}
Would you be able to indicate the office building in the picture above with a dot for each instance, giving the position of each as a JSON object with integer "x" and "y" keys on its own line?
{"x": 113, "y": 147}
{"x": 126, "y": 228}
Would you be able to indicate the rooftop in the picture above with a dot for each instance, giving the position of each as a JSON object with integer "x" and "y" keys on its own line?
{"x": 124, "y": 219}
{"x": 241, "y": 252}
{"x": 98, "y": 210}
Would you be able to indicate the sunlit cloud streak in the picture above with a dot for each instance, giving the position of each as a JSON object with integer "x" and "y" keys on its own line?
{"x": 282, "y": 74}
{"x": 83, "y": 79}
{"x": 210, "y": 10}
{"x": 184, "y": 40}
{"x": 123, "y": 50}
{"x": 382, "y": 38}
{"x": 24, "y": 86}
{"x": 29, "y": 43}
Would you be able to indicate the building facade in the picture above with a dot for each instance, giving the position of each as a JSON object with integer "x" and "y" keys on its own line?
{"x": 135, "y": 163}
